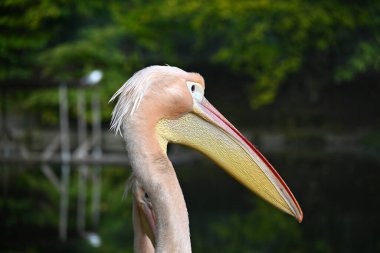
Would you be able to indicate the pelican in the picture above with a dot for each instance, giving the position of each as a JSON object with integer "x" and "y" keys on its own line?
{"x": 164, "y": 104}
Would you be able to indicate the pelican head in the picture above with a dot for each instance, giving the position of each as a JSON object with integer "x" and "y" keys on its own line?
{"x": 163, "y": 104}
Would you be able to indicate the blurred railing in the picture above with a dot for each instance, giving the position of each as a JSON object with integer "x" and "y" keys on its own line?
{"x": 89, "y": 151}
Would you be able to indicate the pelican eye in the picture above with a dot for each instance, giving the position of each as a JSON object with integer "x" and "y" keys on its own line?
{"x": 146, "y": 195}
{"x": 196, "y": 90}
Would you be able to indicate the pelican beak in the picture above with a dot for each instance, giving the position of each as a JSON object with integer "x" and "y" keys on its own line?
{"x": 206, "y": 130}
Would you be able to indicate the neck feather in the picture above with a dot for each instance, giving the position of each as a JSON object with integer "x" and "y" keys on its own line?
{"x": 155, "y": 172}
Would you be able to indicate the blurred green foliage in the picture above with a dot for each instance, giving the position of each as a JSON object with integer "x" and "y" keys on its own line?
{"x": 371, "y": 141}
{"x": 263, "y": 229}
{"x": 29, "y": 214}
{"x": 267, "y": 41}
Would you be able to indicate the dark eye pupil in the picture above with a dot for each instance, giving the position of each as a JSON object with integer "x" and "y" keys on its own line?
{"x": 192, "y": 88}
{"x": 146, "y": 195}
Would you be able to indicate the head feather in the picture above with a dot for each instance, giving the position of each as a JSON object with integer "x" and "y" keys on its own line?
{"x": 132, "y": 92}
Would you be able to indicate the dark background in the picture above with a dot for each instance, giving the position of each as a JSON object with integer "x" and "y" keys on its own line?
{"x": 299, "y": 78}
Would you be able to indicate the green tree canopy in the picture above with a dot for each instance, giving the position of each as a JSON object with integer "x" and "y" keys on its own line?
{"x": 267, "y": 41}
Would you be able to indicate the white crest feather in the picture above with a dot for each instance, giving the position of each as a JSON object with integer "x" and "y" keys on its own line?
{"x": 131, "y": 93}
